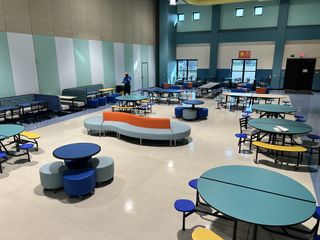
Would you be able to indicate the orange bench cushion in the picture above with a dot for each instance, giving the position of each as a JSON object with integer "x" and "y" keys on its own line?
{"x": 137, "y": 120}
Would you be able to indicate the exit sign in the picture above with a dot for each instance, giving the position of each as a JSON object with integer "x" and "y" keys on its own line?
{"x": 244, "y": 54}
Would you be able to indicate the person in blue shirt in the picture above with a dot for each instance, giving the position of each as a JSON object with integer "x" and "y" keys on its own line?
{"x": 127, "y": 81}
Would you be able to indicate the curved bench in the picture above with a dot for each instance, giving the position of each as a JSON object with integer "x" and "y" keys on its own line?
{"x": 138, "y": 127}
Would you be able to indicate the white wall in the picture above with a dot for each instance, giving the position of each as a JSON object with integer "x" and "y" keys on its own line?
{"x": 195, "y": 51}
{"x": 263, "y": 51}
{"x": 311, "y": 49}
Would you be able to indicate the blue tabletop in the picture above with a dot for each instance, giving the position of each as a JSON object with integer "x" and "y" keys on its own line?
{"x": 132, "y": 98}
{"x": 9, "y": 130}
{"x": 193, "y": 102}
{"x": 256, "y": 195}
{"x": 76, "y": 151}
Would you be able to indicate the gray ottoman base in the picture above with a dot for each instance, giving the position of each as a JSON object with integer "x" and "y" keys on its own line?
{"x": 104, "y": 168}
{"x": 51, "y": 175}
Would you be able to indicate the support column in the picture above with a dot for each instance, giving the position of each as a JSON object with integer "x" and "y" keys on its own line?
{"x": 277, "y": 81}
{"x": 167, "y": 42}
{"x": 214, "y": 43}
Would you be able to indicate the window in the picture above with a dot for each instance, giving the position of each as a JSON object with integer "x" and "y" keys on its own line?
{"x": 258, "y": 11}
{"x": 180, "y": 17}
{"x": 195, "y": 16}
{"x": 243, "y": 70}
{"x": 239, "y": 12}
{"x": 187, "y": 69}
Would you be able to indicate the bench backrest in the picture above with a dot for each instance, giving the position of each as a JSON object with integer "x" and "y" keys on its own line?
{"x": 138, "y": 121}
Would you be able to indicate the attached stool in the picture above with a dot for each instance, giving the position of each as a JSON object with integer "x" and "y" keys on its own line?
{"x": 104, "y": 167}
{"x": 51, "y": 175}
{"x": 79, "y": 182}
{"x": 3, "y": 157}
{"x": 93, "y": 103}
{"x": 202, "y": 113}
{"x": 313, "y": 137}
{"x": 242, "y": 138}
{"x": 298, "y": 116}
{"x": 102, "y": 101}
{"x": 32, "y": 137}
{"x": 185, "y": 206}
{"x": 194, "y": 184}
{"x": 300, "y": 120}
{"x": 204, "y": 234}
{"x": 26, "y": 147}
{"x": 112, "y": 98}
{"x": 316, "y": 215}
{"x": 178, "y": 111}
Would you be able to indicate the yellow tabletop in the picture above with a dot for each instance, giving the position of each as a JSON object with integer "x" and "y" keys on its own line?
{"x": 106, "y": 89}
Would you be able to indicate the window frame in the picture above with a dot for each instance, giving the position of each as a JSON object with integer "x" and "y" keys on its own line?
{"x": 254, "y": 11}
{"x": 193, "y": 13}
{"x": 187, "y": 70}
{"x": 180, "y": 14}
{"x": 235, "y": 12}
{"x": 243, "y": 67}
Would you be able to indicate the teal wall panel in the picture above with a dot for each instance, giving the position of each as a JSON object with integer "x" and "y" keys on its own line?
{"x": 47, "y": 66}
{"x": 268, "y": 18}
{"x": 108, "y": 64}
{"x": 305, "y": 12}
{"x": 82, "y": 62}
{"x": 204, "y": 24}
{"x": 128, "y": 61}
{"x": 144, "y": 52}
{"x": 6, "y": 78}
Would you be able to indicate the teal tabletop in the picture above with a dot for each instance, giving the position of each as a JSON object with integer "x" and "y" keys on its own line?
{"x": 131, "y": 98}
{"x": 272, "y": 108}
{"x": 9, "y": 130}
{"x": 256, "y": 195}
{"x": 269, "y": 125}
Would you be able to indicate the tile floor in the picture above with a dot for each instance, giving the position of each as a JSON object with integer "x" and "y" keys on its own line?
{"x": 138, "y": 205}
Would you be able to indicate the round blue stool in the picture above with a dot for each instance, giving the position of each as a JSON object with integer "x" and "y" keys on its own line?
{"x": 300, "y": 120}
{"x": 26, "y": 147}
{"x": 4, "y": 157}
{"x": 178, "y": 112}
{"x": 193, "y": 183}
{"x": 102, "y": 101}
{"x": 185, "y": 206}
{"x": 79, "y": 182}
{"x": 313, "y": 137}
{"x": 242, "y": 138}
{"x": 202, "y": 113}
{"x": 93, "y": 103}
{"x": 298, "y": 116}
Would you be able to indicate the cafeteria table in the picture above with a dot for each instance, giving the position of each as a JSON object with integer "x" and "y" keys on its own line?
{"x": 273, "y": 110}
{"x": 257, "y": 196}
{"x": 126, "y": 99}
{"x": 10, "y": 130}
{"x": 269, "y": 126}
{"x": 79, "y": 152}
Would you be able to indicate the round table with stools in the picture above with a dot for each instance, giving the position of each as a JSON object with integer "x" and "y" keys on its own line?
{"x": 273, "y": 110}
{"x": 51, "y": 175}
{"x": 256, "y": 196}
{"x": 191, "y": 113}
{"x": 270, "y": 126}
{"x": 10, "y": 130}
{"x": 104, "y": 167}
{"x": 76, "y": 155}
{"x": 130, "y": 99}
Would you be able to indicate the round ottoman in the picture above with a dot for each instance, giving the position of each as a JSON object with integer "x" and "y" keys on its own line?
{"x": 202, "y": 113}
{"x": 178, "y": 112}
{"x": 102, "y": 101}
{"x": 77, "y": 183}
{"x": 189, "y": 114}
{"x": 104, "y": 168}
{"x": 93, "y": 103}
{"x": 51, "y": 175}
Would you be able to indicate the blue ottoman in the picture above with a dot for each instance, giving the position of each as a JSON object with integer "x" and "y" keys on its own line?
{"x": 102, "y": 101}
{"x": 202, "y": 113}
{"x": 79, "y": 182}
{"x": 112, "y": 98}
{"x": 93, "y": 103}
{"x": 178, "y": 112}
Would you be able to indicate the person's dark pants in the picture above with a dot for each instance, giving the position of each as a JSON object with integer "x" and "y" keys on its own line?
{"x": 127, "y": 89}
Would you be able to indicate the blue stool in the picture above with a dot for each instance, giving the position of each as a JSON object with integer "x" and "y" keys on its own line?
{"x": 26, "y": 147}
{"x": 194, "y": 184}
{"x": 202, "y": 113}
{"x": 313, "y": 137}
{"x": 300, "y": 120}
{"x": 112, "y": 98}
{"x": 185, "y": 206}
{"x": 102, "y": 101}
{"x": 298, "y": 116}
{"x": 178, "y": 112}
{"x": 79, "y": 182}
{"x": 316, "y": 215}
{"x": 93, "y": 103}
{"x": 3, "y": 156}
{"x": 242, "y": 138}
